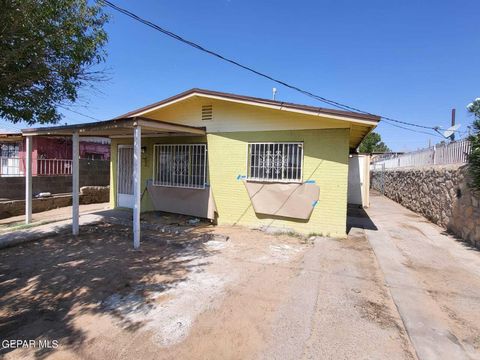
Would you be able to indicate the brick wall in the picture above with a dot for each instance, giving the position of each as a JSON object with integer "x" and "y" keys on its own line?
{"x": 325, "y": 162}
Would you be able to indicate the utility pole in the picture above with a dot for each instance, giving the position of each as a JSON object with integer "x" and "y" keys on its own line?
{"x": 452, "y": 137}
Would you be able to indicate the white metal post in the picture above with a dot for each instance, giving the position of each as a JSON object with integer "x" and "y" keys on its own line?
{"x": 75, "y": 183}
{"x": 137, "y": 175}
{"x": 28, "y": 180}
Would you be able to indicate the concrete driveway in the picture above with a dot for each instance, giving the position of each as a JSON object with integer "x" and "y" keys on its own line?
{"x": 434, "y": 281}
{"x": 338, "y": 308}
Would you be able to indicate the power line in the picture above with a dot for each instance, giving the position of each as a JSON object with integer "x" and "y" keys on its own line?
{"x": 415, "y": 131}
{"x": 234, "y": 62}
{"x": 79, "y": 113}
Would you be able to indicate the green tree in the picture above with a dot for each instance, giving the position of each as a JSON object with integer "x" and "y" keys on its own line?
{"x": 474, "y": 157}
{"x": 48, "y": 51}
{"x": 373, "y": 143}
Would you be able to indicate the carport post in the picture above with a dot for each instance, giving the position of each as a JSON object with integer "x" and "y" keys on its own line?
{"x": 137, "y": 176}
{"x": 28, "y": 180}
{"x": 75, "y": 183}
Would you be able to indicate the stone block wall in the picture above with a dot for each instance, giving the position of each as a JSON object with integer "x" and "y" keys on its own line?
{"x": 88, "y": 195}
{"x": 442, "y": 194}
{"x": 92, "y": 173}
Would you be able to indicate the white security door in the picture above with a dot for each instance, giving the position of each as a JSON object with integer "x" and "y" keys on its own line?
{"x": 125, "y": 176}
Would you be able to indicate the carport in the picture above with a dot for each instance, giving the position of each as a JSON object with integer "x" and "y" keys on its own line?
{"x": 135, "y": 127}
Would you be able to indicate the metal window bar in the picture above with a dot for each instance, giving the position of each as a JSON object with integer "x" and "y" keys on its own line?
{"x": 275, "y": 161}
{"x": 180, "y": 165}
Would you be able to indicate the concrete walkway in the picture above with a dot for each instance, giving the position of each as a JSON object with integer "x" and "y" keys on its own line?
{"x": 52, "y": 222}
{"x": 39, "y": 232}
{"x": 434, "y": 281}
{"x": 59, "y": 214}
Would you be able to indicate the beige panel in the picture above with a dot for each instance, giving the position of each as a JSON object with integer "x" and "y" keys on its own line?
{"x": 287, "y": 200}
{"x": 194, "y": 202}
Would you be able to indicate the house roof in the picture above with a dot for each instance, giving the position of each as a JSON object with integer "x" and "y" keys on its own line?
{"x": 360, "y": 124}
{"x": 252, "y": 100}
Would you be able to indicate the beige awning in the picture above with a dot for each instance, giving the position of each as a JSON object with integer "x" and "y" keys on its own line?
{"x": 118, "y": 128}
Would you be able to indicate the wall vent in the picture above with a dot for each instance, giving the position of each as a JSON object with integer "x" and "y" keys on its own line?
{"x": 207, "y": 112}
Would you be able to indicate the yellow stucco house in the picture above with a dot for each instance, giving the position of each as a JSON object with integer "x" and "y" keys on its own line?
{"x": 280, "y": 145}
{"x": 232, "y": 159}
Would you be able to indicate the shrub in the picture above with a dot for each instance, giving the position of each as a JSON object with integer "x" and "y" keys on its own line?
{"x": 474, "y": 157}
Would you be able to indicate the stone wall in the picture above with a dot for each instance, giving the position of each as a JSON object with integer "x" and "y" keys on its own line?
{"x": 440, "y": 193}
{"x": 88, "y": 195}
{"x": 94, "y": 194}
{"x": 92, "y": 173}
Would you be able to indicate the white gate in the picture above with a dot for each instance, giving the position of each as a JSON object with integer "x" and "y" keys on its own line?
{"x": 359, "y": 180}
{"x": 125, "y": 176}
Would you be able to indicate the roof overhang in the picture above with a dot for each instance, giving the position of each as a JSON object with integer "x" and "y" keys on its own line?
{"x": 120, "y": 127}
{"x": 352, "y": 117}
{"x": 11, "y": 137}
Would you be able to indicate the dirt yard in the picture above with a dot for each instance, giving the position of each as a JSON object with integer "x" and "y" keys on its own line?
{"x": 99, "y": 298}
{"x": 197, "y": 292}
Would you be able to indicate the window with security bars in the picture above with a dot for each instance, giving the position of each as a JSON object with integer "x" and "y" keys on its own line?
{"x": 275, "y": 162}
{"x": 180, "y": 165}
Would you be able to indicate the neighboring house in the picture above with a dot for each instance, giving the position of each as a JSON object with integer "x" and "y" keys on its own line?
{"x": 51, "y": 155}
{"x": 234, "y": 159}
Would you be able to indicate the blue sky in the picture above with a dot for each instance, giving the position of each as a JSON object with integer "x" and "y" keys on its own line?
{"x": 411, "y": 60}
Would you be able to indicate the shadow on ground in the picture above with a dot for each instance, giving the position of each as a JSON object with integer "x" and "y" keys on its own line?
{"x": 45, "y": 284}
{"x": 357, "y": 217}
{"x": 465, "y": 243}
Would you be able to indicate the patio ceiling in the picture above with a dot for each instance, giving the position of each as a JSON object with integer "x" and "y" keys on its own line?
{"x": 118, "y": 128}
{"x": 134, "y": 127}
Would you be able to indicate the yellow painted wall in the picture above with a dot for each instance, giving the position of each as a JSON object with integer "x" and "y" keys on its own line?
{"x": 232, "y": 117}
{"x": 325, "y": 161}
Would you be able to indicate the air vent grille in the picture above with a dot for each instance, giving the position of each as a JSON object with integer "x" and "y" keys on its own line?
{"x": 207, "y": 112}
